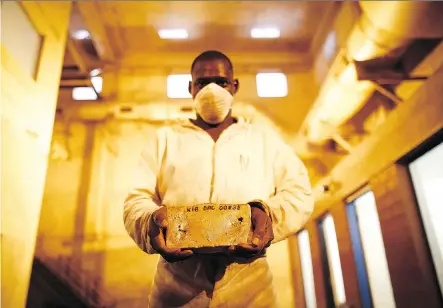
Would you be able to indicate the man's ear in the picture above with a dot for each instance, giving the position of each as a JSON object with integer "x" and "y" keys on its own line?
{"x": 190, "y": 87}
{"x": 236, "y": 85}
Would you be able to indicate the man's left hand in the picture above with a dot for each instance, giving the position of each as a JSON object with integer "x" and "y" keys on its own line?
{"x": 261, "y": 238}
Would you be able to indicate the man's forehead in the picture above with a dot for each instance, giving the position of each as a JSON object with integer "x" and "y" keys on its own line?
{"x": 211, "y": 68}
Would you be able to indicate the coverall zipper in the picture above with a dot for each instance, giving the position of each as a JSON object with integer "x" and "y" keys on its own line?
{"x": 213, "y": 171}
{"x": 214, "y": 146}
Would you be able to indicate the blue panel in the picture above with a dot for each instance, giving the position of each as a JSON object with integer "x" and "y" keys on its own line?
{"x": 362, "y": 275}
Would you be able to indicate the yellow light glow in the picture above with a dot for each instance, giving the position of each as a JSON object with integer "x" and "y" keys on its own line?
{"x": 360, "y": 48}
{"x": 84, "y": 94}
{"x": 173, "y": 34}
{"x": 330, "y": 45}
{"x": 349, "y": 74}
{"x": 265, "y": 33}
{"x": 97, "y": 83}
{"x": 95, "y": 72}
{"x": 367, "y": 51}
{"x": 336, "y": 103}
{"x": 81, "y": 35}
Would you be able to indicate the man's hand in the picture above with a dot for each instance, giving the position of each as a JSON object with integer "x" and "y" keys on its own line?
{"x": 261, "y": 238}
{"x": 157, "y": 234}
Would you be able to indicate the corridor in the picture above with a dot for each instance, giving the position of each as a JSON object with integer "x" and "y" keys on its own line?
{"x": 354, "y": 88}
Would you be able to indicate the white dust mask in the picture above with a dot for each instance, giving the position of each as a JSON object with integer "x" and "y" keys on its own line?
{"x": 213, "y": 103}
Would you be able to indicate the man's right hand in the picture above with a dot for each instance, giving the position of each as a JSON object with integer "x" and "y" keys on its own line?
{"x": 157, "y": 235}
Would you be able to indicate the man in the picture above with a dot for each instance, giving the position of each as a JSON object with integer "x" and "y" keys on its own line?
{"x": 216, "y": 159}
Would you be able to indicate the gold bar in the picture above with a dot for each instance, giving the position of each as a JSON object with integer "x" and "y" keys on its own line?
{"x": 208, "y": 225}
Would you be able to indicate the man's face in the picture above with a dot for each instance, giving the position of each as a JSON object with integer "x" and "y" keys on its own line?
{"x": 212, "y": 71}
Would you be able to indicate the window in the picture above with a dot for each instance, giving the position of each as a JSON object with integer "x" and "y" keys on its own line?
{"x": 304, "y": 248}
{"x": 369, "y": 253}
{"x": 427, "y": 178}
{"x": 84, "y": 94}
{"x": 97, "y": 83}
{"x": 332, "y": 262}
{"x": 272, "y": 85}
{"x": 177, "y": 86}
{"x": 20, "y": 37}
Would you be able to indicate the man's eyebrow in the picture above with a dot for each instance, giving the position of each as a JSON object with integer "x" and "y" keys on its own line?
{"x": 213, "y": 77}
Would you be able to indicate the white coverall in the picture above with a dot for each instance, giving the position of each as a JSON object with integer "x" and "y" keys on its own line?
{"x": 184, "y": 166}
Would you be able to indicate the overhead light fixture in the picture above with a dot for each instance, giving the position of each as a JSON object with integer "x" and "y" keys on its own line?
{"x": 173, "y": 34}
{"x": 272, "y": 85}
{"x": 81, "y": 35}
{"x": 84, "y": 94}
{"x": 95, "y": 72}
{"x": 97, "y": 83}
{"x": 177, "y": 86}
{"x": 265, "y": 33}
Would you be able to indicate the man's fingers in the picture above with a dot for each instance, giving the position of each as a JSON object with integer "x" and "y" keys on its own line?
{"x": 169, "y": 254}
{"x": 177, "y": 255}
{"x": 269, "y": 241}
{"x": 258, "y": 235}
{"x": 155, "y": 230}
{"x": 158, "y": 241}
{"x": 259, "y": 224}
{"x": 248, "y": 248}
{"x": 159, "y": 244}
{"x": 244, "y": 250}
{"x": 178, "y": 252}
{"x": 162, "y": 223}
{"x": 160, "y": 218}
{"x": 157, "y": 238}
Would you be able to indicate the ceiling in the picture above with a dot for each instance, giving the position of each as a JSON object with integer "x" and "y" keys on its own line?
{"x": 128, "y": 46}
{"x": 136, "y": 61}
{"x": 124, "y": 42}
{"x": 223, "y": 25}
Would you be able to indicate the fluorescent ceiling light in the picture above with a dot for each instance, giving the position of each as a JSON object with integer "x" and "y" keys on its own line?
{"x": 272, "y": 85}
{"x": 265, "y": 33}
{"x": 81, "y": 35}
{"x": 173, "y": 34}
{"x": 97, "y": 83}
{"x": 177, "y": 86}
{"x": 95, "y": 72}
{"x": 84, "y": 94}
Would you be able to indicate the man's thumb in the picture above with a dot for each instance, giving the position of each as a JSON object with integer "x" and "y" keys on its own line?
{"x": 256, "y": 241}
{"x": 160, "y": 219}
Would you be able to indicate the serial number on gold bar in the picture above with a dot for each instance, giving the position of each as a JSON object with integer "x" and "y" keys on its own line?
{"x": 213, "y": 208}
